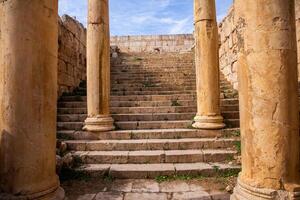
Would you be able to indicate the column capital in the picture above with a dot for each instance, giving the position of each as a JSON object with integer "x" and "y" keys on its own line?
{"x": 204, "y": 10}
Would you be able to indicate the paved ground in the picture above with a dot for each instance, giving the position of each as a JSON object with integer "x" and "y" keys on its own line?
{"x": 208, "y": 189}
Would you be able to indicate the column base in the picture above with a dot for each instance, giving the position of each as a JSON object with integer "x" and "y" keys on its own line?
{"x": 246, "y": 192}
{"x": 100, "y": 123}
{"x": 56, "y": 194}
{"x": 208, "y": 122}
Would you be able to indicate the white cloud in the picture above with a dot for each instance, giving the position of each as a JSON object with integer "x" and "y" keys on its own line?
{"x": 181, "y": 26}
{"x": 132, "y": 17}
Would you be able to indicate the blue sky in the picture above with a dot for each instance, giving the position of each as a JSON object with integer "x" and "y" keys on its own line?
{"x": 144, "y": 17}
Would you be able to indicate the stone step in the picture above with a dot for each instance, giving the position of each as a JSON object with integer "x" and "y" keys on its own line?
{"x": 142, "y": 171}
{"x": 151, "y": 144}
{"x": 147, "y": 134}
{"x": 155, "y": 156}
{"x": 135, "y": 101}
{"x": 159, "y": 79}
{"x": 189, "y": 97}
{"x": 162, "y": 109}
{"x": 71, "y": 117}
{"x": 151, "y": 84}
{"x": 140, "y": 125}
{"x": 162, "y": 79}
{"x": 157, "y": 85}
{"x": 231, "y": 114}
{"x": 72, "y": 98}
{"x": 153, "y": 81}
{"x": 153, "y": 117}
{"x": 181, "y": 96}
{"x": 152, "y": 103}
{"x": 142, "y": 110}
{"x": 125, "y": 93}
{"x": 83, "y": 104}
{"x": 232, "y": 123}
{"x": 166, "y": 109}
{"x": 150, "y": 73}
{"x": 149, "y": 88}
{"x": 133, "y": 110}
{"x": 69, "y": 125}
{"x": 124, "y": 66}
{"x": 131, "y": 117}
{"x": 63, "y": 111}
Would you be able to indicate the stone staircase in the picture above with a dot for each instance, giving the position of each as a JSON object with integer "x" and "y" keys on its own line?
{"x": 153, "y": 102}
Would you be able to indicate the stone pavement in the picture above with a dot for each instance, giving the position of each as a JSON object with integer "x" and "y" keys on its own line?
{"x": 149, "y": 190}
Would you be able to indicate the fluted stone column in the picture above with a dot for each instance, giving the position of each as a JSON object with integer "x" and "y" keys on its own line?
{"x": 28, "y": 95}
{"x": 207, "y": 66}
{"x": 98, "y": 68}
{"x": 268, "y": 102}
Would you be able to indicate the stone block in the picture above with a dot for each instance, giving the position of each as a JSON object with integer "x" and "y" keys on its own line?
{"x": 109, "y": 195}
{"x": 174, "y": 186}
{"x": 146, "y": 196}
{"x": 145, "y": 186}
{"x": 200, "y": 195}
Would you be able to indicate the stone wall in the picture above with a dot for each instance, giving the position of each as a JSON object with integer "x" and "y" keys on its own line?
{"x": 71, "y": 54}
{"x": 229, "y": 33}
{"x": 152, "y": 43}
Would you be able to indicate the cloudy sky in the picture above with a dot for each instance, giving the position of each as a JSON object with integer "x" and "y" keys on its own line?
{"x": 142, "y": 17}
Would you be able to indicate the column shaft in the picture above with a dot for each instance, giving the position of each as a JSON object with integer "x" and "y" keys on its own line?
{"x": 28, "y": 95}
{"x": 269, "y": 111}
{"x": 98, "y": 67}
{"x": 207, "y": 66}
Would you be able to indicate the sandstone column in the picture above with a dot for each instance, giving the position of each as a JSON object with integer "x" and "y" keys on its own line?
{"x": 268, "y": 102}
{"x": 28, "y": 95}
{"x": 207, "y": 66}
{"x": 98, "y": 67}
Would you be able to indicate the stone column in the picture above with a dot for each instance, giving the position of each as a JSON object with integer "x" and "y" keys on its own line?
{"x": 268, "y": 102}
{"x": 28, "y": 95}
{"x": 98, "y": 68}
{"x": 207, "y": 66}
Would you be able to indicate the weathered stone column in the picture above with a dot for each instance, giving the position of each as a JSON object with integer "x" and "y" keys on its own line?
{"x": 28, "y": 95}
{"x": 98, "y": 67}
{"x": 268, "y": 102}
{"x": 207, "y": 66}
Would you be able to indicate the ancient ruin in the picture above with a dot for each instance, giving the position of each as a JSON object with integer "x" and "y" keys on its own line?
{"x": 154, "y": 112}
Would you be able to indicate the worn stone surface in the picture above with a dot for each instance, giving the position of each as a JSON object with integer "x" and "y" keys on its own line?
{"x": 71, "y": 54}
{"x": 28, "y": 94}
{"x": 231, "y": 36}
{"x": 174, "y": 186}
{"x": 207, "y": 66}
{"x": 140, "y": 186}
{"x": 109, "y": 195}
{"x": 199, "y": 195}
{"x": 268, "y": 99}
{"x": 154, "y": 43}
{"x": 144, "y": 189}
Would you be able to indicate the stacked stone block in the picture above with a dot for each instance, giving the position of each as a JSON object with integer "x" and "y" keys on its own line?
{"x": 71, "y": 54}
{"x": 154, "y": 43}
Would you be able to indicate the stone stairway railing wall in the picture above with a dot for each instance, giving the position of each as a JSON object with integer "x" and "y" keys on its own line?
{"x": 154, "y": 43}
{"x": 71, "y": 54}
